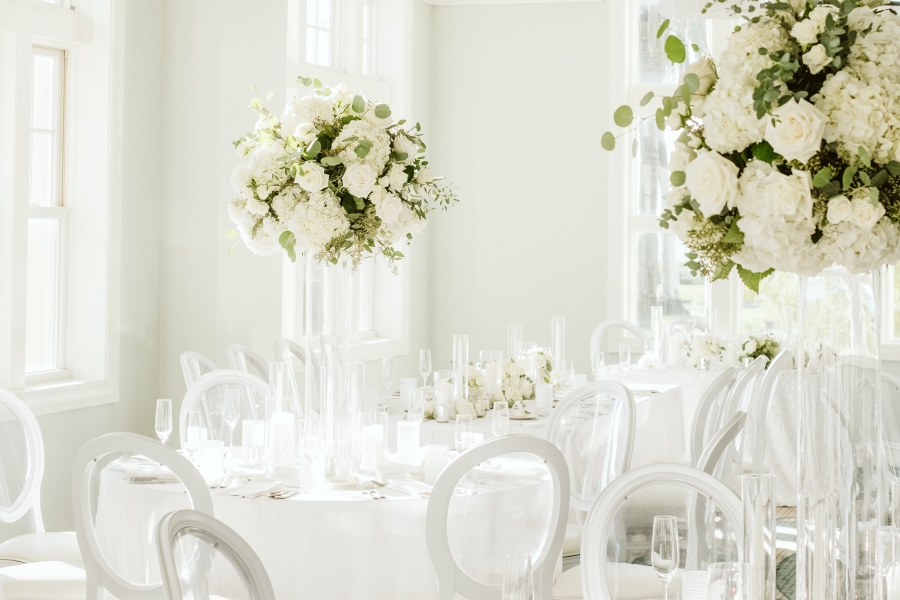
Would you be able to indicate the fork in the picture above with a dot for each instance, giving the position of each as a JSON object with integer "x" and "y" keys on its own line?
{"x": 222, "y": 482}
{"x": 367, "y": 487}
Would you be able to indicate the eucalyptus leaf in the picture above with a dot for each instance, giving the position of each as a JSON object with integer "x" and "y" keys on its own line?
{"x": 675, "y": 50}
{"x": 677, "y": 178}
{"x": 382, "y": 111}
{"x": 608, "y": 141}
{"x": 864, "y": 156}
{"x": 692, "y": 81}
{"x": 822, "y": 178}
{"x": 647, "y": 98}
{"x": 331, "y": 161}
{"x": 231, "y": 234}
{"x": 894, "y": 168}
{"x": 358, "y": 105}
{"x": 662, "y": 28}
{"x": 873, "y": 196}
{"x": 623, "y": 116}
{"x": 849, "y": 172}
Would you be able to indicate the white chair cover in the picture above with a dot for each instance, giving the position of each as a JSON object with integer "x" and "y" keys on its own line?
{"x": 194, "y": 366}
{"x": 243, "y": 358}
{"x": 201, "y": 557}
{"x": 124, "y": 467}
{"x": 507, "y": 495}
{"x": 207, "y": 396}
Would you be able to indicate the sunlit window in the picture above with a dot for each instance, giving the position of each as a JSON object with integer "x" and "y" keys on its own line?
{"x": 320, "y": 30}
{"x": 369, "y": 36}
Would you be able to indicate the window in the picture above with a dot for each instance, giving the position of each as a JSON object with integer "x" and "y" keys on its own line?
{"x": 366, "y": 297}
{"x": 320, "y": 32}
{"x": 368, "y": 37}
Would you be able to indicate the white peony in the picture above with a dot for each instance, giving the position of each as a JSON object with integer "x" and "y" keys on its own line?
{"x": 305, "y": 133}
{"x": 313, "y": 178}
{"x": 806, "y": 31}
{"x": 816, "y": 58}
{"x": 865, "y": 215}
{"x": 359, "y": 179}
{"x": 712, "y": 179}
{"x": 318, "y": 220}
{"x": 796, "y": 130}
{"x": 705, "y": 69}
{"x": 378, "y": 154}
{"x": 404, "y": 145}
{"x": 407, "y": 222}
{"x": 306, "y": 109}
{"x": 240, "y": 177}
{"x": 839, "y": 209}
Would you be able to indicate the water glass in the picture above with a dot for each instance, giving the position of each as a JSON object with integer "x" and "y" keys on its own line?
{"x": 758, "y": 497}
{"x": 664, "y": 549}
{"x": 567, "y": 369}
{"x": 543, "y": 396}
{"x": 253, "y": 441}
{"x": 387, "y": 373}
{"x": 193, "y": 433}
{"x": 416, "y": 412}
{"x": 463, "y": 432}
{"x": 514, "y": 341}
{"x": 437, "y": 456}
{"x": 734, "y": 581}
{"x": 407, "y": 440}
{"x": 373, "y": 427}
{"x": 500, "y": 418}
{"x": 598, "y": 365}
{"x": 694, "y": 585}
{"x": 493, "y": 374}
{"x": 887, "y": 563}
{"x": 407, "y": 387}
{"x": 424, "y": 365}
{"x": 441, "y": 376}
{"x": 313, "y": 436}
{"x": 518, "y": 581}
{"x": 163, "y": 419}
{"x": 232, "y": 412}
{"x": 461, "y": 367}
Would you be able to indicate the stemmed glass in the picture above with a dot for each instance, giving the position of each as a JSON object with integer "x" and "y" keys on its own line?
{"x": 163, "y": 419}
{"x": 568, "y": 374}
{"x": 664, "y": 548}
{"x": 192, "y": 433}
{"x": 463, "y": 432}
{"x": 232, "y": 412}
{"x": 500, "y": 418}
{"x": 598, "y": 365}
{"x": 424, "y": 365}
{"x": 387, "y": 372}
{"x": 625, "y": 360}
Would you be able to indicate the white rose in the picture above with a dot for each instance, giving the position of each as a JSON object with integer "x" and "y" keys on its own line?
{"x": 395, "y": 179}
{"x": 424, "y": 176}
{"x": 389, "y": 208}
{"x": 359, "y": 179}
{"x": 750, "y": 346}
{"x": 820, "y": 14}
{"x": 240, "y": 177}
{"x": 864, "y": 214}
{"x": 404, "y": 145}
{"x": 712, "y": 180}
{"x": 342, "y": 95}
{"x": 816, "y": 58}
{"x": 313, "y": 178}
{"x": 798, "y": 130}
{"x": 369, "y": 117}
{"x": 305, "y": 134}
{"x": 806, "y": 31}
{"x": 705, "y": 69}
{"x": 788, "y": 195}
{"x": 839, "y": 209}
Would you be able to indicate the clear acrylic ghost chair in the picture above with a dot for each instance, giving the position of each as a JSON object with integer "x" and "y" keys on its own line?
{"x": 890, "y": 394}
{"x": 765, "y": 395}
{"x": 201, "y": 557}
{"x": 243, "y": 358}
{"x": 207, "y": 396}
{"x": 739, "y": 399}
{"x": 706, "y": 417}
{"x": 194, "y": 366}
{"x": 122, "y": 485}
{"x": 593, "y": 426}
{"x": 21, "y": 474}
{"x": 605, "y": 580}
{"x": 602, "y": 328}
{"x": 289, "y": 351}
{"x": 506, "y": 495}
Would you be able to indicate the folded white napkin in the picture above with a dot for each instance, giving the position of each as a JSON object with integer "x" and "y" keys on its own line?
{"x": 412, "y": 488}
{"x": 258, "y": 488}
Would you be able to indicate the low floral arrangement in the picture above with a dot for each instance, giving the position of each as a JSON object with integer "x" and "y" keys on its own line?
{"x": 760, "y": 345}
{"x": 703, "y": 346}
{"x": 789, "y": 150}
{"x": 516, "y": 384}
{"x": 477, "y": 390}
{"x": 335, "y": 175}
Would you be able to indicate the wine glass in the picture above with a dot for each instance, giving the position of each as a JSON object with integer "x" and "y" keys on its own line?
{"x": 500, "y": 418}
{"x": 192, "y": 433}
{"x": 163, "y": 419}
{"x": 416, "y": 406}
{"x": 598, "y": 365}
{"x": 664, "y": 548}
{"x": 232, "y": 412}
{"x": 463, "y": 432}
{"x": 312, "y": 437}
{"x": 253, "y": 433}
{"x": 568, "y": 374}
{"x": 387, "y": 372}
{"x": 625, "y": 360}
{"x": 424, "y": 365}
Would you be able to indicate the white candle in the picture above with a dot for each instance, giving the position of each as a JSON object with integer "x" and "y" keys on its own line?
{"x": 282, "y": 432}
{"x": 371, "y": 447}
{"x": 407, "y": 440}
{"x": 675, "y": 356}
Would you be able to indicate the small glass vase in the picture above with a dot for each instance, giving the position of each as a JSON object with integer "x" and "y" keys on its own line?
{"x": 704, "y": 364}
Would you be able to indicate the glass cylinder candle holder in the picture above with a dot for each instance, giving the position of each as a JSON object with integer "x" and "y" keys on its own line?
{"x": 461, "y": 368}
{"x": 372, "y": 441}
{"x": 656, "y": 314}
{"x": 514, "y": 341}
{"x": 887, "y": 583}
{"x": 407, "y": 441}
{"x": 758, "y": 496}
{"x": 558, "y": 339}
{"x": 407, "y": 387}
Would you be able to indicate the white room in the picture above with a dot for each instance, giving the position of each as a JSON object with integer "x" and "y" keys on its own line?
{"x": 490, "y": 299}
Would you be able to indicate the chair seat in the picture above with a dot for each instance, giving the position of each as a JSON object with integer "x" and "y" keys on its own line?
{"x": 632, "y": 582}
{"x": 52, "y": 580}
{"x": 36, "y": 547}
{"x": 572, "y": 541}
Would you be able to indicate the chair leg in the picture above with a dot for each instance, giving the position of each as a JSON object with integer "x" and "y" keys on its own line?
{"x": 94, "y": 591}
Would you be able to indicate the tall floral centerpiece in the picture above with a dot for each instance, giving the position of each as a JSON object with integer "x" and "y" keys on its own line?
{"x": 338, "y": 179}
{"x": 788, "y": 159}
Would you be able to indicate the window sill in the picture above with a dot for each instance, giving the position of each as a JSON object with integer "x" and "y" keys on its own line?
{"x": 377, "y": 348}
{"x": 67, "y": 394}
{"x": 890, "y": 352}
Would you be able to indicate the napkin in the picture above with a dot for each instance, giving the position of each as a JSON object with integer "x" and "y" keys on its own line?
{"x": 258, "y": 488}
{"x": 412, "y": 488}
{"x": 142, "y": 470}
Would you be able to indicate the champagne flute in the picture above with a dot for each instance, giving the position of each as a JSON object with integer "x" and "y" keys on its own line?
{"x": 598, "y": 365}
{"x": 387, "y": 372}
{"x": 232, "y": 412}
{"x": 500, "y": 418}
{"x": 424, "y": 365}
{"x": 163, "y": 419}
{"x": 192, "y": 433}
{"x": 463, "y": 432}
{"x": 664, "y": 548}
{"x": 625, "y": 360}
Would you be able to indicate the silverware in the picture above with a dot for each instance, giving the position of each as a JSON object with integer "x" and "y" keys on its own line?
{"x": 366, "y": 486}
{"x": 284, "y": 494}
{"x": 222, "y": 482}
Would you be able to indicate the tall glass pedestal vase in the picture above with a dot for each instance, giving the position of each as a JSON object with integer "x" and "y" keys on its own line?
{"x": 327, "y": 339}
{"x": 842, "y": 495}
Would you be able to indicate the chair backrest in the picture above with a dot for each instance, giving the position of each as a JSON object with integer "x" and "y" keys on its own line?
{"x": 709, "y": 461}
{"x": 196, "y": 398}
{"x": 194, "y": 366}
{"x": 890, "y": 403}
{"x": 242, "y": 358}
{"x": 209, "y": 537}
{"x": 287, "y": 350}
{"x": 601, "y": 518}
{"x": 706, "y": 417}
{"x": 599, "y": 330}
{"x": 21, "y": 463}
{"x": 766, "y": 392}
{"x": 595, "y": 436}
{"x": 88, "y": 503}
{"x": 737, "y": 400}
{"x": 450, "y": 575}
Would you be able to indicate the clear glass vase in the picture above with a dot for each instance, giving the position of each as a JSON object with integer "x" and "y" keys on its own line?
{"x": 327, "y": 340}
{"x": 841, "y": 485}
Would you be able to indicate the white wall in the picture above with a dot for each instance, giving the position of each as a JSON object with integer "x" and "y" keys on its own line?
{"x": 518, "y": 105}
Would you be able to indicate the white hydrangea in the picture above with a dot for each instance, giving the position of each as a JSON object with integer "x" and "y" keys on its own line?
{"x": 284, "y": 203}
{"x": 263, "y": 167}
{"x": 306, "y": 109}
{"x": 859, "y": 250}
{"x": 378, "y": 154}
{"x": 265, "y": 241}
{"x": 875, "y": 57}
{"x": 516, "y": 386}
{"x": 318, "y": 220}
{"x": 407, "y": 222}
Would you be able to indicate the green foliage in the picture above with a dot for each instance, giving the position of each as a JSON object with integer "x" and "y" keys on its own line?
{"x": 647, "y": 98}
{"x": 677, "y": 178}
{"x": 662, "y": 28}
{"x": 675, "y": 50}
{"x": 623, "y": 116}
{"x": 692, "y": 81}
{"x": 358, "y": 105}
{"x": 763, "y": 151}
{"x": 382, "y": 111}
{"x": 751, "y": 279}
{"x": 608, "y": 141}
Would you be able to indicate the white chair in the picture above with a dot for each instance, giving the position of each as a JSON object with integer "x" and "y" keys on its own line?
{"x": 210, "y": 537}
{"x": 639, "y": 581}
{"x": 288, "y": 351}
{"x": 21, "y": 474}
{"x": 194, "y": 366}
{"x": 207, "y": 394}
{"x": 602, "y": 328}
{"x": 597, "y": 439}
{"x": 93, "y": 457}
{"x": 450, "y": 575}
{"x": 766, "y": 393}
{"x": 706, "y": 418}
{"x": 243, "y": 358}
{"x": 890, "y": 402}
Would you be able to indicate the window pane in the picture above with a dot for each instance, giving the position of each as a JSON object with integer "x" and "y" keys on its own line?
{"x": 652, "y": 168}
{"x": 652, "y": 64}
{"x": 311, "y": 12}
{"x": 663, "y": 280}
{"x": 323, "y": 52}
{"x": 366, "y": 23}
{"x": 761, "y": 313}
{"x": 42, "y": 112}
{"x": 365, "y": 59}
{"x": 42, "y": 296}
{"x": 42, "y": 169}
{"x": 366, "y": 276}
{"x": 311, "y": 44}
{"x": 324, "y": 20}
